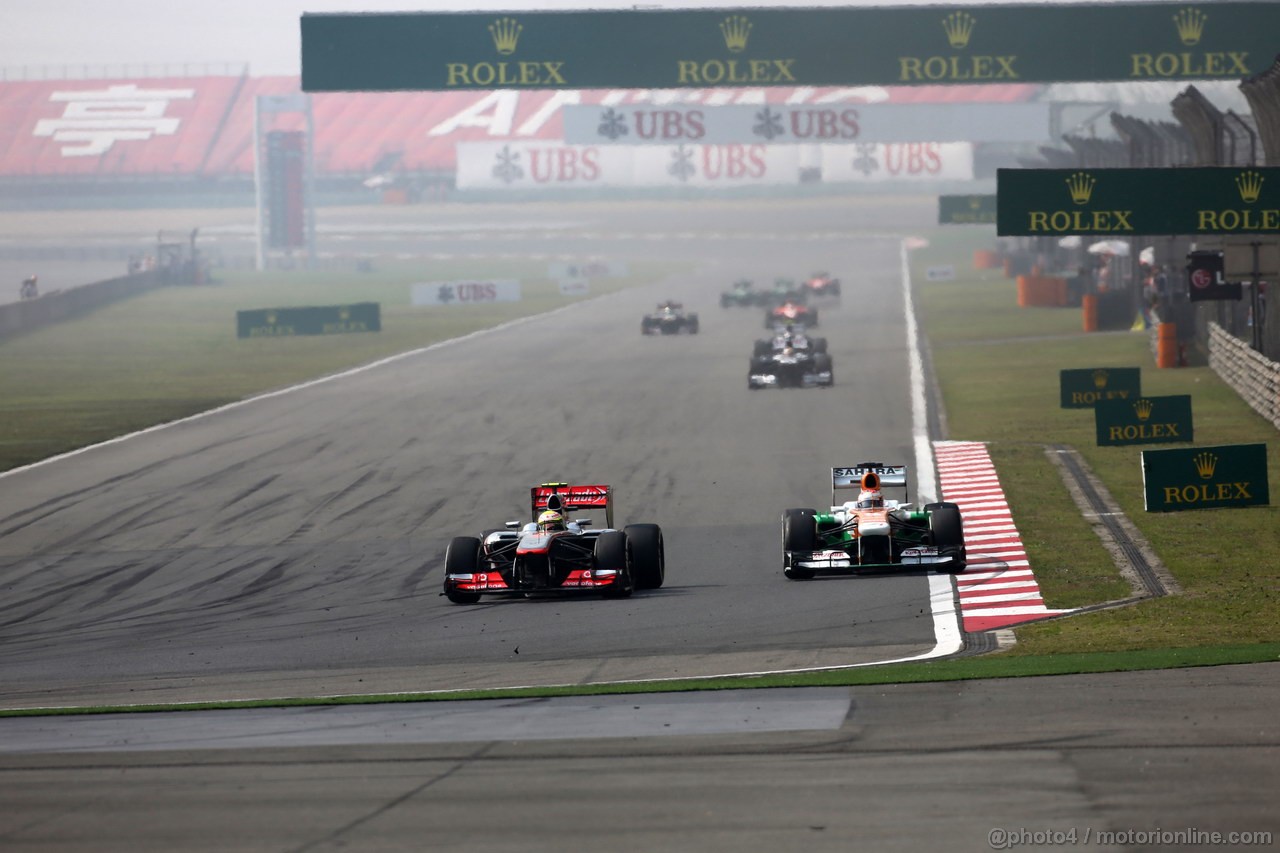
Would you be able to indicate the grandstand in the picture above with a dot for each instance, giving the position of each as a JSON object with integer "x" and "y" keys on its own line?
{"x": 92, "y": 135}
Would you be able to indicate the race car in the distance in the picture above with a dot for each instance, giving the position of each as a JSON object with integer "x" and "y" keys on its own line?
{"x": 670, "y": 318}
{"x": 871, "y": 533}
{"x": 742, "y": 295}
{"x": 822, "y": 284}
{"x": 791, "y": 311}
{"x": 556, "y": 552}
{"x": 790, "y": 360}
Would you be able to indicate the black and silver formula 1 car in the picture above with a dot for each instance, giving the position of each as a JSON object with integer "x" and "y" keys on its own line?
{"x": 871, "y": 533}
{"x": 669, "y": 319}
{"x": 791, "y": 359}
{"x": 557, "y": 556}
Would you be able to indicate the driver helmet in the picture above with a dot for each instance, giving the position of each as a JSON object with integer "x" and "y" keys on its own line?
{"x": 870, "y": 498}
{"x": 551, "y": 520}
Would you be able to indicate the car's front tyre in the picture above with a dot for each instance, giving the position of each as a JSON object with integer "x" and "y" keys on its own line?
{"x": 462, "y": 557}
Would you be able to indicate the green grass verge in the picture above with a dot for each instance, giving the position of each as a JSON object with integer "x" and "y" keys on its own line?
{"x": 173, "y": 352}
{"x": 997, "y": 365}
{"x": 956, "y": 669}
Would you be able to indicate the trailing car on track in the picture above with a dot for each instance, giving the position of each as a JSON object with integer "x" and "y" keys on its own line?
{"x": 791, "y": 359}
{"x": 871, "y": 533}
{"x": 669, "y": 319}
{"x": 557, "y": 553}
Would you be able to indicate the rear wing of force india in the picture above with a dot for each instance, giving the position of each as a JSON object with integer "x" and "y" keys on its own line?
{"x": 852, "y": 477}
{"x": 572, "y": 498}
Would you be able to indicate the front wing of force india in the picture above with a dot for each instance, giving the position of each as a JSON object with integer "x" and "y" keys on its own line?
{"x": 523, "y": 559}
{"x": 849, "y": 538}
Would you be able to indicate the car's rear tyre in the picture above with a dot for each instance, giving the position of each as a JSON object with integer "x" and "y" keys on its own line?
{"x": 462, "y": 557}
{"x": 761, "y": 348}
{"x": 648, "y": 555}
{"x": 611, "y": 552}
{"x": 799, "y": 533}
{"x": 948, "y": 533}
{"x": 822, "y": 364}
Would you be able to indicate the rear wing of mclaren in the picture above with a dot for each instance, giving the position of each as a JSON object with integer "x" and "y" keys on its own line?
{"x": 851, "y": 477}
{"x": 572, "y": 498}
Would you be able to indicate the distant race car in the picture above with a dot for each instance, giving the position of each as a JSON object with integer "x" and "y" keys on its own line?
{"x": 791, "y": 311}
{"x": 554, "y": 553}
{"x": 791, "y": 359}
{"x": 669, "y": 319}
{"x": 822, "y": 284}
{"x": 784, "y": 290}
{"x": 871, "y": 533}
{"x": 741, "y": 295}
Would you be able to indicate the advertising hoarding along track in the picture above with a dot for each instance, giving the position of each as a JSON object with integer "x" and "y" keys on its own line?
{"x": 697, "y": 48}
{"x": 1130, "y": 202}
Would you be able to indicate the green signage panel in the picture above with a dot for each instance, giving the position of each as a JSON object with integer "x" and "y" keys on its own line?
{"x": 1083, "y": 388}
{"x": 316, "y": 320}
{"x": 966, "y": 210}
{"x": 1146, "y": 420}
{"x": 1233, "y": 475}
{"x": 1130, "y": 202}
{"x": 696, "y": 48}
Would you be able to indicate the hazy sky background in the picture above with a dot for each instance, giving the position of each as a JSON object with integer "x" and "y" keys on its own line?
{"x": 47, "y": 34}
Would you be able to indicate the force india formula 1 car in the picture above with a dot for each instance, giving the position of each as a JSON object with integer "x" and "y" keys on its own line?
{"x": 526, "y": 559}
{"x": 669, "y": 319}
{"x": 852, "y": 537}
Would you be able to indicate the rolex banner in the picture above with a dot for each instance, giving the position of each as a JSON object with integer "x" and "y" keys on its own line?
{"x": 318, "y": 320}
{"x": 1084, "y": 388}
{"x": 1146, "y": 420}
{"x": 1128, "y": 202}
{"x": 1233, "y": 475}
{"x": 966, "y": 210}
{"x": 755, "y": 47}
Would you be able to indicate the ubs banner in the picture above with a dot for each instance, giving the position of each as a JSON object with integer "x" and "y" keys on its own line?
{"x": 1146, "y": 420}
{"x": 696, "y": 48}
{"x": 320, "y": 320}
{"x": 1084, "y": 388}
{"x": 1233, "y": 475}
{"x": 521, "y": 165}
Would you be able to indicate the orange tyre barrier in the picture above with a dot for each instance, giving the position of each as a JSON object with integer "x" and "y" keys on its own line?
{"x": 1089, "y": 309}
{"x": 1166, "y": 345}
{"x": 1044, "y": 290}
{"x": 985, "y": 259}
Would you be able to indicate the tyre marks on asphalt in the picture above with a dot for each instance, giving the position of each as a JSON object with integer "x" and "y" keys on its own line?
{"x": 998, "y": 589}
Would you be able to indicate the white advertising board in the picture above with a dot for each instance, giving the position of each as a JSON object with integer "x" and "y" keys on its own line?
{"x": 470, "y": 292}
{"x": 587, "y": 269}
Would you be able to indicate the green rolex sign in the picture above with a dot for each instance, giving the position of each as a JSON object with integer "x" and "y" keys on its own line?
{"x": 751, "y": 47}
{"x": 1145, "y": 420}
{"x": 1084, "y": 388}
{"x": 1130, "y": 202}
{"x": 318, "y": 320}
{"x": 966, "y": 210}
{"x": 1233, "y": 475}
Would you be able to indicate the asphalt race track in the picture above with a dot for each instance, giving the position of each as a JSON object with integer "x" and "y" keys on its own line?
{"x": 292, "y": 545}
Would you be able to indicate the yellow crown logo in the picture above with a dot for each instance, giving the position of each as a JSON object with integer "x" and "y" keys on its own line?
{"x": 505, "y": 32}
{"x": 974, "y": 202}
{"x": 959, "y": 27}
{"x": 344, "y": 313}
{"x": 736, "y": 30}
{"x": 1205, "y": 463}
{"x": 1190, "y": 24}
{"x": 1100, "y": 379}
{"x": 1250, "y": 186}
{"x": 1081, "y": 186}
{"x": 1143, "y": 408}
{"x": 271, "y": 318}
